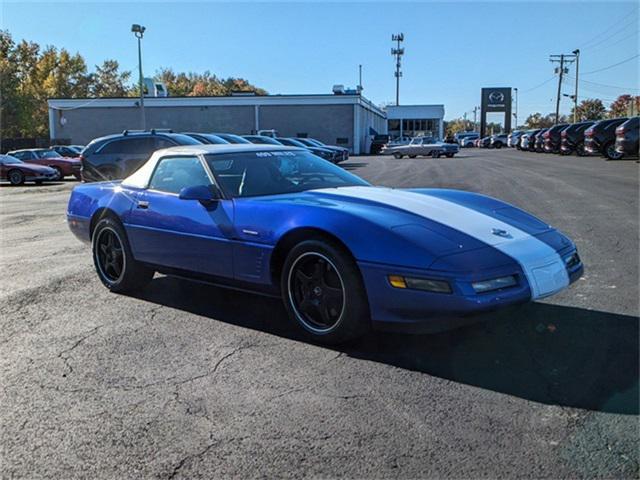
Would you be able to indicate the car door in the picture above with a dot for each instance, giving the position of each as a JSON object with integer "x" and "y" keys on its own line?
{"x": 182, "y": 234}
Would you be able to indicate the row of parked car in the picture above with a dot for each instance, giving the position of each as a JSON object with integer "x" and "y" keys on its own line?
{"x": 117, "y": 156}
{"x": 612, "y": 138}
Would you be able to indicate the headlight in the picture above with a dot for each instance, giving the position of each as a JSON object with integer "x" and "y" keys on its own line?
{"x": 426, "y": 284}
{"x": 494, "y": 284}
{"x": 572, "y": 260}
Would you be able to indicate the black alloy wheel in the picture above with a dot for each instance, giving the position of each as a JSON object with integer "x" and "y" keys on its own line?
{"x": 611, "y": 153}
{"x": 109, "y": 255}
{"x": 316, "y": 292}
{"x": 114, "y": 262}
{"x": 323, "y": 292}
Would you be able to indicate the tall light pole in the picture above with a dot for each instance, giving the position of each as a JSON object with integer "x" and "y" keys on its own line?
{"x": 398, "y": 52}
{"x": 516, "y": 114}
{"x": 138, "y": 31}
{"x": 576, "y": 52}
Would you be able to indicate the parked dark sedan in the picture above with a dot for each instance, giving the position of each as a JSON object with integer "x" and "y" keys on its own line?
{"x": 207, "y": 138}
{"x": 600, "y": 138}
{"x": 70, "y": 151}
{"x": 232, "y": 138}
{"x": 312, "y": 142}
{"x": 551, "y": 138}
{"x": 18, "y": 172}
{"x": 320, "y": 152}
{"x": 65, "y": 166}
{"x": 538, "y": 145}
{"x": 572, "y": 139}
{"x": 627, "y": 137}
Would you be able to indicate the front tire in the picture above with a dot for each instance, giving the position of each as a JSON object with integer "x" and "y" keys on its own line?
{"x": 16, "y": 177}
{"x": 113, "y": 260}
{"x": 323, "y": 292}
{"x": 60, "y": 174}
{"x": 397, "y": 156}
{"x": 580, "y": 151}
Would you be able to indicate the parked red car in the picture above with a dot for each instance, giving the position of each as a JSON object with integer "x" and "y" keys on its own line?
{"x": 18, "y": 172}
{"x": 65, "y": 166}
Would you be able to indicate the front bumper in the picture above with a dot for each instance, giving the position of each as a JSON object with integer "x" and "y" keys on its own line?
{"x": 420, "y": 311}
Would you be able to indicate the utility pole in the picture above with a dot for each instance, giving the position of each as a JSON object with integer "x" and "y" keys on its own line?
{"x": 138, "y": 31}
{"x": 562, "y": 59}
{"x": 516, "y": 114}
{"x": 576, "y": 52}
{"x": 359, "y": 78}
{"x": 475, "y": 118}
{"x": 397, "y": 52}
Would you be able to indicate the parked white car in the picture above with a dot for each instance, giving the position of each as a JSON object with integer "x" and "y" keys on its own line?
{"x": 422, "y": 146}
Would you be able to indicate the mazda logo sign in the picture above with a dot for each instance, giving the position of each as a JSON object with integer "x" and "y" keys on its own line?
{"x": 496, "y": 97}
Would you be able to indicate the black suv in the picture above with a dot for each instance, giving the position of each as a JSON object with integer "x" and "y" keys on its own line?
{"x": 551, "y": 138}
{"x": 572, "y": 139}
{"x": 627, "y": 137}
{"x": 118, "y": 156}
{"x": 600, "y": 138}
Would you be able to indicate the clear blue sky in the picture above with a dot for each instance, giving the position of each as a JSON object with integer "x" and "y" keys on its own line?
{"x": 452, "y": 48}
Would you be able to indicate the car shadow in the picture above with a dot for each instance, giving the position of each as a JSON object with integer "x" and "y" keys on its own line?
{"x": 353, "y": 165}
{"x": 545, "y": 353}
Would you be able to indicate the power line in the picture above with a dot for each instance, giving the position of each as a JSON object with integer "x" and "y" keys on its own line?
{"x": 604, "y": 84}
{"x": 611, "y": 66}
{"x": 633, "y": 34}
{"x": 614, "y": 25}
{"x": 539, "y": 85}
{"x": 623, "y": 27}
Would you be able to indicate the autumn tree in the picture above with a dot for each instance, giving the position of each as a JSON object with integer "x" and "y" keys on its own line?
{"x": 621, "y": 106}
{"x": 109, "y": 81}
{"x": 590, "y": 109}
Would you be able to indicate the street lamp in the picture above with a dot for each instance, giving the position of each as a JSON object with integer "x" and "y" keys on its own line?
{"x": 516, "y": 114}
{"x": 138, "y": 31}
{"x": 576, "y": 52}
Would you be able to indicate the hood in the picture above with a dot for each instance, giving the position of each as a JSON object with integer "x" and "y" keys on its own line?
{"x": 33, "y": 167}
{"x": 464, "y": 220}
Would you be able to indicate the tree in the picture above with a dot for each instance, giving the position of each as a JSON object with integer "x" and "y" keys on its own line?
{"x": 108, "y": 81}
{"x": 203, "y": 84}
{"x": 621, "y": 106}
{"x": 537, "y": 120}
{"x": 456, "y": 125}
{"x": 590, "y": 109}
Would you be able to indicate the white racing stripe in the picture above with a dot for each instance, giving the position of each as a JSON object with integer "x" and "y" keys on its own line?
{"x": 544, "y": 268}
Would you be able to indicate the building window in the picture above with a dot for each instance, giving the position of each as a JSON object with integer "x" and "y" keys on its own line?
{"x": 394, "y": 125}
{"x": 302, "y": 135}
{"x": 342, "y": 141}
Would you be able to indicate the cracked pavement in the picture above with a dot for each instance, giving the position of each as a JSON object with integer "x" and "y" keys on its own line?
{"x": 186, "y": 380}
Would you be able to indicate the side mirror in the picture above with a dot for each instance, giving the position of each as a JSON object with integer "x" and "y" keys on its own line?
{"x": 205, "y": 194}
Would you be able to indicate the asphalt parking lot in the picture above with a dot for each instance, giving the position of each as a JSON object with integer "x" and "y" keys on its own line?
{"x": 192, "y": 381}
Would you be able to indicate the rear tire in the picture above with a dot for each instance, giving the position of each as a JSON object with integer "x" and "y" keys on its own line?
{"x": 412, "y": 156}
{"x": 397, "y": 155}
{"x": 113, "y": 260}
{"x": 610, "y": 152}
{"x": 323, "y": 292}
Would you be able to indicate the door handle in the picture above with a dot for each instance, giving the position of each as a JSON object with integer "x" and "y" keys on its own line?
{"x": 143, "y": 204}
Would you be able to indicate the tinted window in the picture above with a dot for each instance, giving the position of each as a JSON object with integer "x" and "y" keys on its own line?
{"x": 181, "y": 139}
{"x": 163, "y": 143}
{"x": 271, "y": 173}
{"x": 141, "y": 145}
{"x": 22, "y": 155}
{"x": 172, "y": 174}
{"x": 48, "y": 154}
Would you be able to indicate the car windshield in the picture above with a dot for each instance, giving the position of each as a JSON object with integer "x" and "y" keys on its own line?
{"x": 276, "y": 172}
{"x": 48, "y": 154}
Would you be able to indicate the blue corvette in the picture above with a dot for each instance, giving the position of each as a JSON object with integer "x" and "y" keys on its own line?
{"x": 345, "y": 256}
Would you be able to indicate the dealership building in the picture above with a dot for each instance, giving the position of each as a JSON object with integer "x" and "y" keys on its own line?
{"x": 344, "y": 119}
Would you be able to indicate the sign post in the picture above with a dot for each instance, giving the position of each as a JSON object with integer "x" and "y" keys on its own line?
{"x": 495, "y": 100}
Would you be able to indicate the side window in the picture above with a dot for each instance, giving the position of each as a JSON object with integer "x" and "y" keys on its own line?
{"x": 131, "y": 146}
{"x": 163, "y": 143}
{"x": 172, "y": 174}
{"x": 22, "y": 155}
